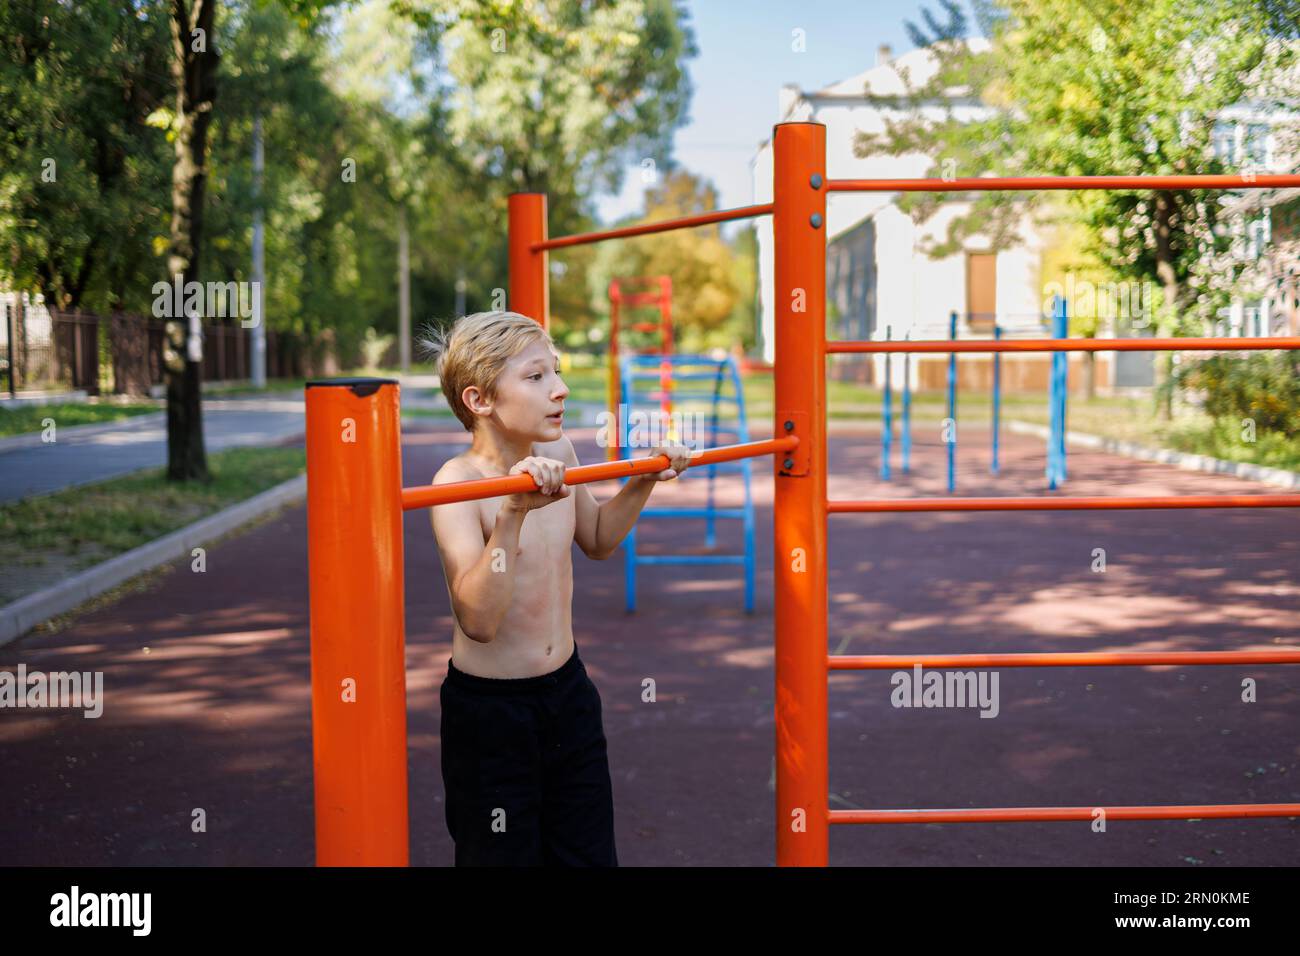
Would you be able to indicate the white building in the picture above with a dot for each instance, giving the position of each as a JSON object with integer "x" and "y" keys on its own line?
{"x": 879, "y": 281}
{"x": 1263, "y": 223}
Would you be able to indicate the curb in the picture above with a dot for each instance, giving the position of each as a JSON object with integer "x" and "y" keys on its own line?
{"x": 27, "y": 612}
{"x": 1277, "y": 477}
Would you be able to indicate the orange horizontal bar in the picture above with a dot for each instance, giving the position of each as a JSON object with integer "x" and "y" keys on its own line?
{"x": 851, "y": 662}
{"x": 990, "y": 183}
{"x": 1027, "y": 814}
{"x": 429, "y": 495}
{"x": 1100, "y": 503}
{"x": 642, "y": 298}
{"x": 686, "y": 222}
{"x": 1070, "y": 345}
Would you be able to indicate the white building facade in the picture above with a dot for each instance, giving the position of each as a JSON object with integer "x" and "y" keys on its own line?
{"x": 880, "y": 282}
{"x": 907, "y": 294}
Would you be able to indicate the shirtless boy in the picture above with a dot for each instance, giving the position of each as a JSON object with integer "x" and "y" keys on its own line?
{"x": 524, "y": 764}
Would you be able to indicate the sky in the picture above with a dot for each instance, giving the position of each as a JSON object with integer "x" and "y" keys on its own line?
{"x": 745, "y": 57}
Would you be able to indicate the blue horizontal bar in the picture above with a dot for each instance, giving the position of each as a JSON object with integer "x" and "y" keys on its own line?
{"x": 714, "y": 470}
{"x": 700, "y": 446}
{"x": 676, "y": 359}
{"x": 720, "y": 468}
{"x": 680, "y": 396}
{"x": 701, "y": 434}
{"x": 653, "y": 374}
{"x": 692, "y": 512}
{"x": 690, "y": 559}
{"x": 703, "y": 471}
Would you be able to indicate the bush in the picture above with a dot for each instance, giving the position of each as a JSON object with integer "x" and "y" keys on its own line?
{"x": 1261, "y": 386}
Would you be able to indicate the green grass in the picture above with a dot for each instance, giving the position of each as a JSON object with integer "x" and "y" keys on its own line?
{"x": 428, "y": 413}
{"x": 273, "y": 386}
{"x": 1190, "y": 430}
{"x": 82, "y": 526}
{"x": 1224, "y": 439}
{"x": 24, "y": 419}
{"x": 1123, "y": 418}
{"x": 587, "y": 384}
{"x": 848, "y": 401}
{"x": 281, "y": 385}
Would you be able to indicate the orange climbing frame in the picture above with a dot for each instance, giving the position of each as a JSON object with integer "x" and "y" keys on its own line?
{"x": 355, "y": 503}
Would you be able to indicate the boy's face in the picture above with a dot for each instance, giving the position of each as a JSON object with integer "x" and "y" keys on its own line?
{"x": 530, "y": 393}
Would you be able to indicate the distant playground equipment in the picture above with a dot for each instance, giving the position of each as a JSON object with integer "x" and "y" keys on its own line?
{"x": 704, "y": 379}
{"x": 639, "y": 292}
{"x": 1058, "y": 392}
{"x": 355, "y": 506}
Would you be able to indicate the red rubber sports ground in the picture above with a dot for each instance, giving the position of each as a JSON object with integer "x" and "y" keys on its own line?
{"x": 207, "y": 682}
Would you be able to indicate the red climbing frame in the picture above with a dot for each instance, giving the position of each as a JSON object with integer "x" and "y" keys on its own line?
{"x": 661, "y": 296}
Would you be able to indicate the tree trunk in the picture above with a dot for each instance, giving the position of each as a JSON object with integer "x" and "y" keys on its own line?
{"x": 194, "y": 68}
{"x": 1164, "y": 209}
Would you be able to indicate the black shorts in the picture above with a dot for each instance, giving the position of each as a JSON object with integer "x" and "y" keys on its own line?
{"x": 525, "y": 771}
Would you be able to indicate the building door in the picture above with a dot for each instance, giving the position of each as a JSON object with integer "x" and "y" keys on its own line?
{"x": 1134, "y": 369}
{"x": 981, "y": 291}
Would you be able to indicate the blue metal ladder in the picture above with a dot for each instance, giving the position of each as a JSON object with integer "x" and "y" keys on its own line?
{"x": 645, "y": 370}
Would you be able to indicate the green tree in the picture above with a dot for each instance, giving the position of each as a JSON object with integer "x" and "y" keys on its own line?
{"x": 1094, "y": 88}
{"x": 743, "y": 327}
{"x": 330, "y": 256}
{"x": 699, "y": 261}
{"x": 194, "y": 69}
{"x": 81, "y": 174}
{"x": 194, "y": 74}
{"x": 411, "y": 97}
{"x": 560, "y": 102}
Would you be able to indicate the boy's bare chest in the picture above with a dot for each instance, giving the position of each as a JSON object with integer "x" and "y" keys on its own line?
{"x": 546, "y": 533}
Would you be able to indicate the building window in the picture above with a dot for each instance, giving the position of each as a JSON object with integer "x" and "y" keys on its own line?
{"x": 1257, "y": 236}
{"x": 1257, "y": 144}
{"x": 1225, "y": 143}
{"x": 1253, "y": 319}
{"x": 1237, "y": 144}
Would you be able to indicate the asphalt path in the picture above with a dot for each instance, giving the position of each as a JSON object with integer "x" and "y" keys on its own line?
{"x": 207, "y": 697}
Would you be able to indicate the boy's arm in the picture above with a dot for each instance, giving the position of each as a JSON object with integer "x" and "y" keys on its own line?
{"x": 600, "y": 528}
{"x": 480, "y": 587}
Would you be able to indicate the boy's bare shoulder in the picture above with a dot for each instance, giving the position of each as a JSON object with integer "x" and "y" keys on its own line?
{"x": 454, "y": 469}
{"x": 460, "y": 468}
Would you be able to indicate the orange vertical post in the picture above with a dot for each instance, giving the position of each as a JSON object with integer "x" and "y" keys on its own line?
{"x": 358, "y": 660}
{"x": 529, "y": 271}
{"x": 615, "y": 383}
{"x": 799, "y": 230}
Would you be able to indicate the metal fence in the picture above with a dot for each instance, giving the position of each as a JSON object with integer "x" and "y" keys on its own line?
{"x": 122, "y": 353}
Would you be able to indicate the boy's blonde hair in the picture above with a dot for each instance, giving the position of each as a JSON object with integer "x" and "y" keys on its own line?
{"x": 474, "y": 351}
